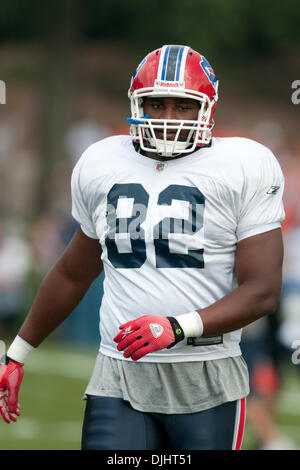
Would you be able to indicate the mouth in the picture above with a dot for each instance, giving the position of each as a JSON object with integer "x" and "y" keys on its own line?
{"x": 170, "y": 135}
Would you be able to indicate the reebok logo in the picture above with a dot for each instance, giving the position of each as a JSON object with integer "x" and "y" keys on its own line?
{"x": 126, "y": 332}
{"x": 273, "y": 190}
{"x": 157, "y": 330}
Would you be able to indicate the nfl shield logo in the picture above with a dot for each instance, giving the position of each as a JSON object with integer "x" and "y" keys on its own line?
{"x": 160, "y": 166}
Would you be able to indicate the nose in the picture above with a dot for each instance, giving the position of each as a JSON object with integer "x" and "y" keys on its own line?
{"x": 169, "y": 113}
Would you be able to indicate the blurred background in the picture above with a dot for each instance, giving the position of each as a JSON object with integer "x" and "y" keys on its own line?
{"x": 66, "y": 65}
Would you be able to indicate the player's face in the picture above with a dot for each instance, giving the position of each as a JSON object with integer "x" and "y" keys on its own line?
{"x": 183, "y": 109}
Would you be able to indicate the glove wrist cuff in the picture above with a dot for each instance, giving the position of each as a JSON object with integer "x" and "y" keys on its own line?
{"x": 177, "y": 330}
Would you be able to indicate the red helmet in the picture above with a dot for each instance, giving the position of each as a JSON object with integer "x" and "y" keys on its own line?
{"x": 176, "y": 71}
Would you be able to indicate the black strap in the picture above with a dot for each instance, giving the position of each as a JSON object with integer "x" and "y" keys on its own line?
{"x": 178, "y": 332}
{"x": 7, "y": 359}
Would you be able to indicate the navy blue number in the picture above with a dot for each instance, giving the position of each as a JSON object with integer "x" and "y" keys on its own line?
{"x": 164, "y": 257}
{"x": 132, "y": 254}
{"x": 136, "y": 254}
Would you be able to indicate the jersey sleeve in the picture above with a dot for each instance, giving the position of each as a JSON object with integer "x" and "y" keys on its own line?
{"x": 80, "y": 210}
{"x": 261, "y": 205}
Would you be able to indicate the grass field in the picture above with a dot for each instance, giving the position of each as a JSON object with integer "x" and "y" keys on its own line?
{"x": 52, "y": 407}
{"x": 51, "y": 400}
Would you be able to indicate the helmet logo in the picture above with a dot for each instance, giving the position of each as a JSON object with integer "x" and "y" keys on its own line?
{"x": 139, "y": 67}
{"x": 209, "y": 71}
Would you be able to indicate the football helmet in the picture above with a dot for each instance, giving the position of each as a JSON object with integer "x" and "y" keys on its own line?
{"x": 173, "y": 71}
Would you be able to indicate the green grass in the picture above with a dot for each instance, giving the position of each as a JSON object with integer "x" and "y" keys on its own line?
{"x": 52, "y": 406}
{"x": 287, "y": 419}
{"x": 51, "y": 401}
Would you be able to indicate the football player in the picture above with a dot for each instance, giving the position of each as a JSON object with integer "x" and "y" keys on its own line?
{"x": 187, "y": 228}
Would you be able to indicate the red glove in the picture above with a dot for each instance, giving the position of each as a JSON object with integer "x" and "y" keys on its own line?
{"x": 11, "y": 376}
{"x": 147, "y": 334}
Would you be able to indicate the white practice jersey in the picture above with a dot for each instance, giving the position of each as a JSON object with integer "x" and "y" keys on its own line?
{"x": 168, "y": 231}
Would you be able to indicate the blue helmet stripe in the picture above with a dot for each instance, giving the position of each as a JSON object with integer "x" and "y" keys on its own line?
{"x": 179, "y": 63}
{"x": 163, "y": 73}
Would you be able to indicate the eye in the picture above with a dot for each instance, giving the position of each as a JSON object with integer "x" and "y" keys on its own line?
{"x": 183, "y": 108}
{"x": 156, "y": 105}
